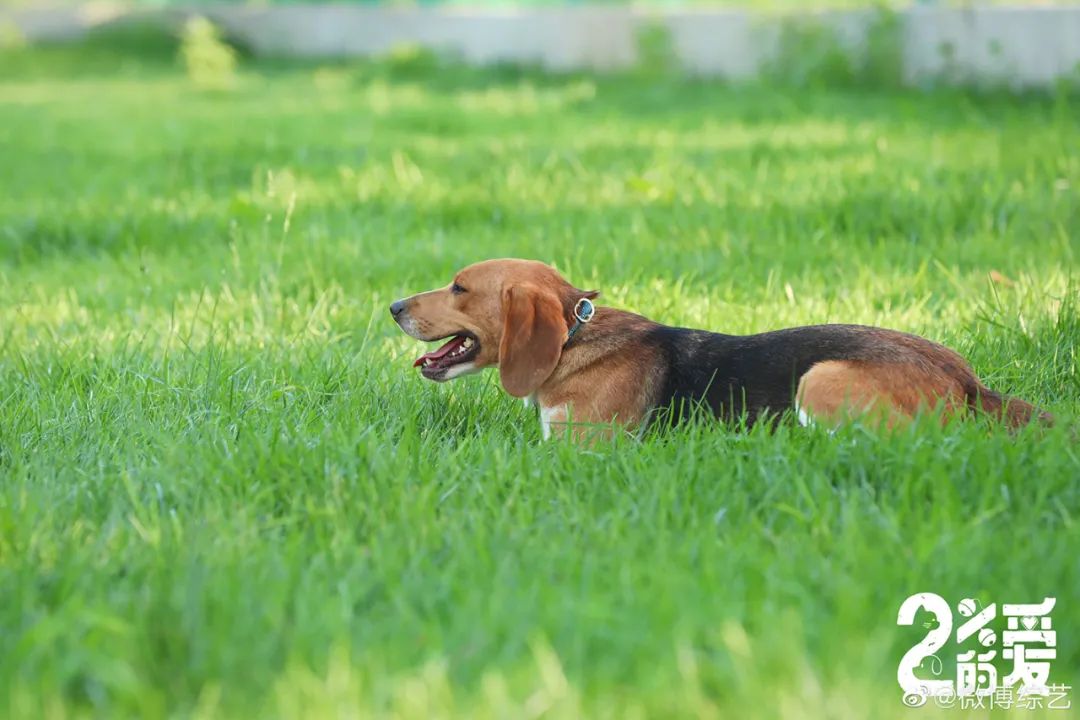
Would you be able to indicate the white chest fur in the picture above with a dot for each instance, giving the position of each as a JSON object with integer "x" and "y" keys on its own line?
{"x": 548, "y": 415}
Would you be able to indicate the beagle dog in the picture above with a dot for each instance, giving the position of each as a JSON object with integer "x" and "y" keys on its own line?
{"x": 585, "y": 366}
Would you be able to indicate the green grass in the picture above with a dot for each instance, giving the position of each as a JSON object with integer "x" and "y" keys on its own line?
{"x": 226, "y": 493}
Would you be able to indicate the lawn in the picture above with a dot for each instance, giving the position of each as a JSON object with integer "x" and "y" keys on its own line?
{"x": 225, "y": 492}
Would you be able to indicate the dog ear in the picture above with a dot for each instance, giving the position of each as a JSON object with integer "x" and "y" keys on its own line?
{"x": 534, "y": 330}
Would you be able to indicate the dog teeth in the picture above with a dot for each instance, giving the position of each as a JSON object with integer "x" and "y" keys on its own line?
{"x": 462, "y": 348}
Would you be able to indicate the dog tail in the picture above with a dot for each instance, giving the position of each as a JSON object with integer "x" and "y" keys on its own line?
{"x": 1013, "y": 411}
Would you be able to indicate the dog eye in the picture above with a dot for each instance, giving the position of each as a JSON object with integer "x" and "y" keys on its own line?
{"x": 457, "y": 289}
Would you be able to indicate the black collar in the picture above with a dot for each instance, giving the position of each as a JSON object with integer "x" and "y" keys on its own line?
{"x": 583, "y": 313}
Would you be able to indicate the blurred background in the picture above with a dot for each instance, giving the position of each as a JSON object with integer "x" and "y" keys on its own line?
{"x": 1014, "y": 44}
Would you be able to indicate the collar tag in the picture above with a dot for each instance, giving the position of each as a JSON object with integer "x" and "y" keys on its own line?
{"x": 584, "y": 310}
{"x": 583, "y": 313}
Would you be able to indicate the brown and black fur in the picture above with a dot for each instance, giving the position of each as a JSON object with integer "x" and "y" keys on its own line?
{"x": 622, "y": 367}
{"x": 749, "y": 375}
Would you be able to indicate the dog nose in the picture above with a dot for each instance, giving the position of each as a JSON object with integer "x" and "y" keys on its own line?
{"x": 397, "y": 307}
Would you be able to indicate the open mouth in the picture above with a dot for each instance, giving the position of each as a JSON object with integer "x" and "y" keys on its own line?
{"x": 459, "y": 349}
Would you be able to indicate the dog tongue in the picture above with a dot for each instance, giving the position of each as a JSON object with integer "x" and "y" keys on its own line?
{"x": 436, "y": 354}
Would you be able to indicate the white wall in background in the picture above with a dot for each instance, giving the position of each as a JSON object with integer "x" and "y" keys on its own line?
{"x": 1031, "y": 46}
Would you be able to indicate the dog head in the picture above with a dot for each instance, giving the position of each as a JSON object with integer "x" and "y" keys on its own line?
{"x": 510, "y": 314}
